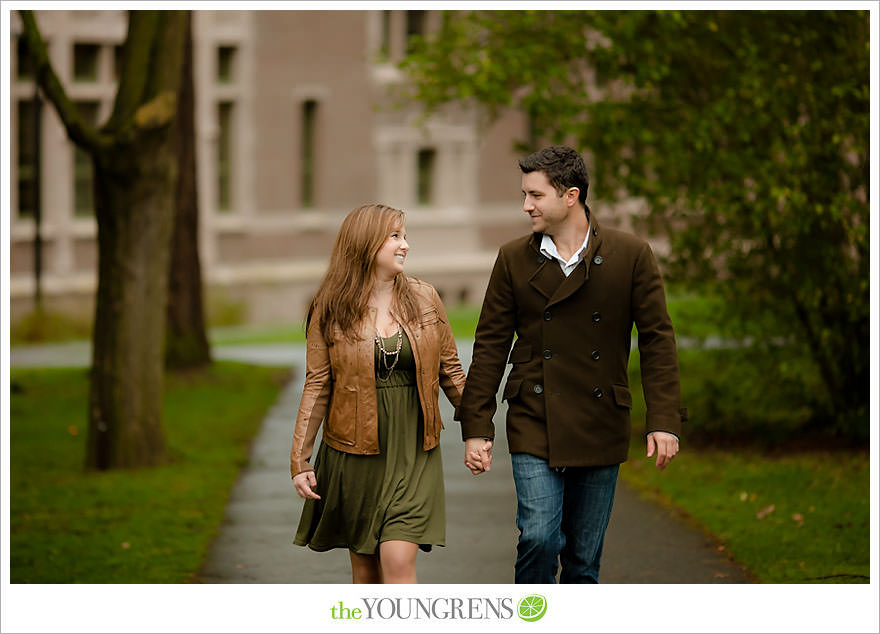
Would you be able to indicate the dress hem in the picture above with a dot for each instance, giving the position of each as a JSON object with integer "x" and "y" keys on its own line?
{"x": 426, "y": 547}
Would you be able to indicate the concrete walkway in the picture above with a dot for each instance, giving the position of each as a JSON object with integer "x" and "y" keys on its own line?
{"x": 645, "y": 543}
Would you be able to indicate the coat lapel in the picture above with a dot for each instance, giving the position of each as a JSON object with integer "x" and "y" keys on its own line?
{"x": 548, "y": 276}
{"x": 581, "y": 274}
{"x": 571, "y": 284}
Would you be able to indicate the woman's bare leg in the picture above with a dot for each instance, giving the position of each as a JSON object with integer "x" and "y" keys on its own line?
{"x": 397, "y": 561}
{"x": 365, "y": 568}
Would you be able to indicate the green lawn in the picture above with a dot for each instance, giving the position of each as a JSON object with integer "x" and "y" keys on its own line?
{"x": 691, "y": 313}
{"x": 462, "y": 319}
{"x": 791, "y": 518}
{"x": 788, "y": 516}
{"x": 151, "y": 525}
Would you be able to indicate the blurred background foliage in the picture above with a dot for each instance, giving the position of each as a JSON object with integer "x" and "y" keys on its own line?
{"x": 745, "y": 134}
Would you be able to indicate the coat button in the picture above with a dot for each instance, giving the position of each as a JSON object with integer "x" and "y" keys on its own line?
{"x": 541, "y": 259}
{"x": 548, "y": 354}
{"x": 597, "y": 316}
{"x": 598, "y": 259}
{"x": 595, "y": 355}
{"x": 597, "y": 393}
{"x": 547, "y": 315}
{"x": 538, "y": 389}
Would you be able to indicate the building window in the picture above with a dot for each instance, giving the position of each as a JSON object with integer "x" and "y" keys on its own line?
{"x": 85, "y": 62}
{"x": 415, "y": 26}
{"x": 29, "y": 132}
{"x": 224, "y": 155}
{"x": 425, "y": 185}
{"x": 226, "y": 64}
{"x": 25, "y": 63}
{"x": 307, "y": 188}
{"x": 83, "y": 170}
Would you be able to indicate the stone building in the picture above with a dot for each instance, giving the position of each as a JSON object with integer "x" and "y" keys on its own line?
{"x": 294, "y": 129}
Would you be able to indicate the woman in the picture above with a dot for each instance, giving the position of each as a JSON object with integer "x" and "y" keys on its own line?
{"x": 379, "y": 347}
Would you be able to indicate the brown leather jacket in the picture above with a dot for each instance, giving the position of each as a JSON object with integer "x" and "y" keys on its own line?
{"x": 340, "y": 384}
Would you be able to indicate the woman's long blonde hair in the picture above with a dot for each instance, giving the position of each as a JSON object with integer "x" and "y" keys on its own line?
{"x": 342, "y": 298}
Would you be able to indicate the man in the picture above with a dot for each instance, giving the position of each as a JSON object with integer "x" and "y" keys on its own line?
{"x": 570, "y": 292}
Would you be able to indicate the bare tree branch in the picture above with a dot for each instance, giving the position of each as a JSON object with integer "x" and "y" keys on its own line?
{"x": 81, "y": 133}
{"x": 136, "y": 59}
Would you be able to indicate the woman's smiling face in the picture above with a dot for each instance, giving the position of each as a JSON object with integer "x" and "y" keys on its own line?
{"x": 392, "y": 254}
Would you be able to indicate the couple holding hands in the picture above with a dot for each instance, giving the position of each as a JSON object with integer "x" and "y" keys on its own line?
{"x": 379, "y": 348}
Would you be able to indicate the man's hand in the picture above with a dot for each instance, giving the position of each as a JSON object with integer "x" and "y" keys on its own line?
{"x": 665, "y": 444}
{"x": 478, "y": 455}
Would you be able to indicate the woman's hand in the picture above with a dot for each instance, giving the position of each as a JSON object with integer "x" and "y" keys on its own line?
{"x": 304, "y": 483}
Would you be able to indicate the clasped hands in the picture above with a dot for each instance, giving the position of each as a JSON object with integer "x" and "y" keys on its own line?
{"x": 478, "y": 455}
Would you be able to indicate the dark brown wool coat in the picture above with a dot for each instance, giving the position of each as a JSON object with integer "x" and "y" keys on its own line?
{"x": 568, "y": 394}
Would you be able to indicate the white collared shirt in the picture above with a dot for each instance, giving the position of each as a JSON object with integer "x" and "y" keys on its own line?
{"x": 548, "y": 248}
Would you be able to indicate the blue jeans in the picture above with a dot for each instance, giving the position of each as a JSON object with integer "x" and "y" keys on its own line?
{"x": 562, "y": 515}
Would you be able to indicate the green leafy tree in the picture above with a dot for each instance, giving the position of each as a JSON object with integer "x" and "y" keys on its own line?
{"x": 135, "y": 160}
{"x": 745, "y": 133}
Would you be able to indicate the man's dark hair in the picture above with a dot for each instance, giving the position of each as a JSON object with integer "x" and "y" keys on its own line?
{"x": 564, "y": 168}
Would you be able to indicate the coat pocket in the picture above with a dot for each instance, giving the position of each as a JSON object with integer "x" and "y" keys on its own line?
{"x": 432, "y": 408}
{"x": 622, "y": 396}
{"x": 342, "y": 420}
{"x": 511, "y": 389}
{"x": 435, "y": 392}
{"x": 520, "y": 353}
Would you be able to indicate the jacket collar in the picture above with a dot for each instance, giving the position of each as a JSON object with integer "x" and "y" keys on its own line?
{"x": 545, "y": 279}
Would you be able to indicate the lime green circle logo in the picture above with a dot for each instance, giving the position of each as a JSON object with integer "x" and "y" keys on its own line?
{"x": 532, "y": 607}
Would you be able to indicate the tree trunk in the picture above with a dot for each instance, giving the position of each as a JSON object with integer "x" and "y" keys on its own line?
{"x": 186, "y": 343}
{"x": 135, "y": 161}
{"x": 134, "y": 203}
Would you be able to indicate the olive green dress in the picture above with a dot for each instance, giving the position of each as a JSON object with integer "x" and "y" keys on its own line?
{"x": 396, "y": 494}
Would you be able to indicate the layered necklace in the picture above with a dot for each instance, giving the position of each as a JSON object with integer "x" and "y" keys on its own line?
{"x": 388, "y": 360}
